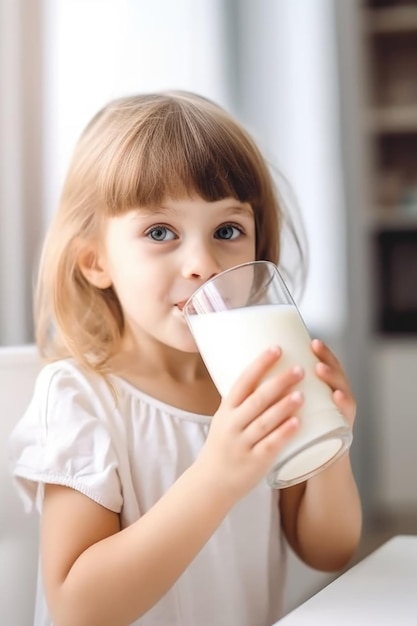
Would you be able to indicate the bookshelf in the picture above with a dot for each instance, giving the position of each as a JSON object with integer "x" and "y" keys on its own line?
{"x": 388, "y": 125}
{"x": 390, "y": 44}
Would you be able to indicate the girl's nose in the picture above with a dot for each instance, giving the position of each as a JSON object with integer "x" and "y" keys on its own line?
{"x": 200, "y": 263}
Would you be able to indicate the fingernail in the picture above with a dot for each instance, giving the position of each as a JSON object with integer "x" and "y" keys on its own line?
{"x": 325, "y": 369}
{"x": 274, "y": 350}
{"x": 298, "y": 370}
{"x": 296, "y": 396}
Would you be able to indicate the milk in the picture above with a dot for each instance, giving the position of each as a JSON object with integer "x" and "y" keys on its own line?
{"x": 231, "y": 340}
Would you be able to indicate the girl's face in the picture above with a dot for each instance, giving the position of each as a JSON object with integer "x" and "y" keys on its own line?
{"x": 156, "y": 259}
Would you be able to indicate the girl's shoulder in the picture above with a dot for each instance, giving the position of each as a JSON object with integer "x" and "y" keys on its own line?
{"x": 105, "y": 393}
{"x": 67, "y": 436}
{"x": 67, "y": 375}
{"x": 65, "y": 389}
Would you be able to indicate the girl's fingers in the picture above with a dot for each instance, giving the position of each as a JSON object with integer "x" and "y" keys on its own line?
{"x": 346, "y": 404}
{"x": 331, "y": 372}
{"x": 272, "y": 443}
{"x": 273, "y": 418}
{"x": 249, "y": 380}
{"x": 268, "y": 394}
{"x": 329, "y": 368}
{"x": 334, "y": 378}
{"x": 323, "y": 352}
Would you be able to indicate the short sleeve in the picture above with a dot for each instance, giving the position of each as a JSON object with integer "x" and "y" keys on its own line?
{"x": 64, "y": 438}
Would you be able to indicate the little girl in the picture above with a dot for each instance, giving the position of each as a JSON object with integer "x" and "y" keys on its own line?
{"x": 151, "y": 489}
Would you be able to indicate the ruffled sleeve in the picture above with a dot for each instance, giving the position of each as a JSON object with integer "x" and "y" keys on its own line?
{"x": 65, "y": 438}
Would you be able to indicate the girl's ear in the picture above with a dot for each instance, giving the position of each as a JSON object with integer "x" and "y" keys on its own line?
{"x": 92, "y": 266}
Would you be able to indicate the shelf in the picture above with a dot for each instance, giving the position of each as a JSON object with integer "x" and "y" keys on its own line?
{"x": 391, "y": 218}
{"x": 391, "y": 20}
{"x": 393, "y": 119}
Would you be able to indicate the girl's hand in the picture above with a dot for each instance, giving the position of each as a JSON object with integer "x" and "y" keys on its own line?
{"x": 331, "y": 372}
{"x": 252, "y": 425}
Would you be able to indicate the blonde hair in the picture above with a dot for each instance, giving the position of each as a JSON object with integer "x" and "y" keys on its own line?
{"x": 135, "y": 152}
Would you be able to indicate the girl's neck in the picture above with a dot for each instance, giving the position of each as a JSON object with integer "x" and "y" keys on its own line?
{"x": 177, "y": 378}
{"x": 150, "y": 358}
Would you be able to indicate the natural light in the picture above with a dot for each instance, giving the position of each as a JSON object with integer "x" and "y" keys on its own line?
{"x": 96, "y": 50}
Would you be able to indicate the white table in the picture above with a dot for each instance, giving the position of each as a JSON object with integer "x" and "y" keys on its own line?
{"x": 380, "y": 590}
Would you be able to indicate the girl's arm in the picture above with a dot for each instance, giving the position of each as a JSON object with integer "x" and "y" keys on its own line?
{"x": 98, "y": 575}
{"x": 322, "y": 518}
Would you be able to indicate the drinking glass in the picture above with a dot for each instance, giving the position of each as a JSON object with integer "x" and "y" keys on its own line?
{"x": 238, "y": 314}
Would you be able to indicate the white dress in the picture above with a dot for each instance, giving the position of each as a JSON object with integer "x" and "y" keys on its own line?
{"x": 124, "y": 452}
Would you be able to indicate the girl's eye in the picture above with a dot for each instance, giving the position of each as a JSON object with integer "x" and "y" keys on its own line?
{"x": 228, "y": 232}
{"x": 160, "y": 233}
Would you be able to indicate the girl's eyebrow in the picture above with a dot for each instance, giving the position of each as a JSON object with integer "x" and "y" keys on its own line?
{"x": 150, "y": 212}
{"x": 241, "y": 210}
{"x": 244, "y": 209}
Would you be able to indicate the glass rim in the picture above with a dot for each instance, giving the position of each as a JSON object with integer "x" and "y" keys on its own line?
{"x": 199, "y": 289}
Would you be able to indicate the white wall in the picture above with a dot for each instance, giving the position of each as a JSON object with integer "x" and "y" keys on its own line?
{"x": 20, "y": 163}
{"x": 12, "y": 254}
{"x": 136, "y": 46}
{"x": 288, "y": 94}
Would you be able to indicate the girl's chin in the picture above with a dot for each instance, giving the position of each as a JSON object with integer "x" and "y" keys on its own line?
{"x": 187, "y": 347}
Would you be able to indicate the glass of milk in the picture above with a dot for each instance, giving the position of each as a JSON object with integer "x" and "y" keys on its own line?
{"x": 237, "y": 315}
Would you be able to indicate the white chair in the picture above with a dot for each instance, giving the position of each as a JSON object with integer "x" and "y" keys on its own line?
{"x": 18, "y": 530}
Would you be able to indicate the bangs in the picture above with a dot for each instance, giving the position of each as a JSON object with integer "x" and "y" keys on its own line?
{"x": 173, "y": 149}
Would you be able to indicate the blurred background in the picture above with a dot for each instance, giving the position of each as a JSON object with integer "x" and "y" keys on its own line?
{"x": 328, "y": 88}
